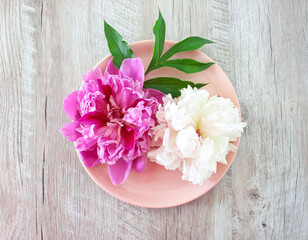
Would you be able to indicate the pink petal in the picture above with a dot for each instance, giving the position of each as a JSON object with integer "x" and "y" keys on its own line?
{"x": 90, "y": 158}
{"x": 71, "y": 105}
{"x": 139, "y": 164}
{"x": 127, "y": 98}
{"x": 85, "y": 144}
{"x": 111, "y": 69}
{"x": 119, "y": 171}
{"x": 101, "y": 104}
{"x": 96, "y": 118}
{"x": 69, "y": 131}
{"x": 92, "y": 75}
{"x": 105, "y": 89}
{"x": 128, "y": 136}
{"x": 133, "y": 68}
{"x": 154, "y": 93}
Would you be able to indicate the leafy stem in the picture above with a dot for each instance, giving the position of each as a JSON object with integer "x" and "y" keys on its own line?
{"x": 170, "y": 85}
{"x": 188, "y": 44}
{"x": 118, "y": 48}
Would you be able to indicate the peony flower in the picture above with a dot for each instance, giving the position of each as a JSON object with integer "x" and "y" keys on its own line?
{"x": 194, "y": 132}
{"x": 112, "y": 118}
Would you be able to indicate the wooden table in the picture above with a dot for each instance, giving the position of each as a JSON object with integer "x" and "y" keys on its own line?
{"x": 46, "y": 46}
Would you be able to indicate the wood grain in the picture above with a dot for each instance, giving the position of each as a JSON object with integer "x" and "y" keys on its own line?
{"x": 46, "y": 46}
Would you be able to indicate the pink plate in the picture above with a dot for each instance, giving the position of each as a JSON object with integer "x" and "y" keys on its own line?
{"x": 158, "y": 187}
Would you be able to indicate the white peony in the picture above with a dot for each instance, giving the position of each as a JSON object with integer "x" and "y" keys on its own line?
{"x": 194, "y": 132}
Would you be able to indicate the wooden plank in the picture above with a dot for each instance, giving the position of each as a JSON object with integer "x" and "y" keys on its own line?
{"x": 16, "y": 128}
{"x": 269, "y": 58}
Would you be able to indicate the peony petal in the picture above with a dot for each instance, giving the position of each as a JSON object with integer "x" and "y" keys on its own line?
{"x": 92, "y": 75}
{"x": 101, "y": 104}
{"x": 133, "y": 68}
{"x": 85, "y": 143}
{"x": 69, "y": 131}
{"x": 154, "y": 93}
{"x": 128, "y": 136}
{"x": 111, "y": 69}
{"x": 119, "y": 171}
{"x": 139, "y": 164}
{"x": 96, "y": 118}
{"x": 188, "y": 142}
{"x": 71, "y": 105}
{"x": 127, "y": 98}
{"x": 90, "y": 158}
{"x": 105, "y": 89}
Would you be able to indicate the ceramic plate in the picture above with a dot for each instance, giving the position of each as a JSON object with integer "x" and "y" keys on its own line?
{"x": 158, "y": 187}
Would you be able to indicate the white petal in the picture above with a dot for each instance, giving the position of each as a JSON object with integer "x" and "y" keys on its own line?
{"x": 187, "y": 141}
{"x": 215, "y": 118}
{"x": 191, "y": 172}
{"x": 180, "y": 119}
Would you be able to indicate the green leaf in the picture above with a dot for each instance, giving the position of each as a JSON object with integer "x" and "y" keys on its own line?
{"x": 170, "y": 85}
{"x": 185, "y": 65}
{"x": 118, "y": 48}
{"x": 159, "y": 31}
{"x": 188, "y": 44}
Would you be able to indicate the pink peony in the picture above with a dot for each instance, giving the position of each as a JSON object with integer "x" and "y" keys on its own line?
{"x": 112, "y": 118}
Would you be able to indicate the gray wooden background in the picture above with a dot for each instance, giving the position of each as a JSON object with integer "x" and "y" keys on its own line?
{"x": 46, "y": 46}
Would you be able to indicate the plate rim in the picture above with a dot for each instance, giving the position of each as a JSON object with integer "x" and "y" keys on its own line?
{"x": 145, "y": 205}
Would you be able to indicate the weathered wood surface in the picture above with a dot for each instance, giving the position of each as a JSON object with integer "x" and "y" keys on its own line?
{"x": 45, "y": 47}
